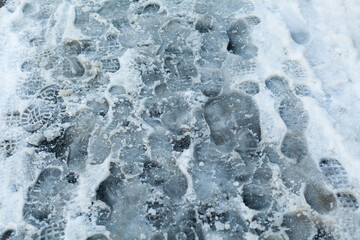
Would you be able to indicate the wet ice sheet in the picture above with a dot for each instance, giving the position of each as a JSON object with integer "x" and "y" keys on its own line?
{"x": 179, "y": 120}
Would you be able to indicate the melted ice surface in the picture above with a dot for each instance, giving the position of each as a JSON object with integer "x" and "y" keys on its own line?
{"x": 184, "y": 119}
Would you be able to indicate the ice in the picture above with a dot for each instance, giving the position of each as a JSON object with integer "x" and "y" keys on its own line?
{"x": 319, "y": 198}
{"x": 294, "y": 146}
{"x": 97, "y": 237}
{"x": 182, "y": 144}
{"x": 334, "y": 172}
{"x": 348, "y": 201}
{"x": 211, "y": 83}
{"x": 299, "y": 226}
{"x": 288, "y": 109}
{"x": 179, "y": 65}
{"x": 184, "y": 119}
{"x": 239, "y": 40}
{"x": 277, "y": 85}
{"x": 250, "y": 87}
{"x": 98, "y": 149}
{"x": 257, "y": 197}
{"x": 232, "y": 117}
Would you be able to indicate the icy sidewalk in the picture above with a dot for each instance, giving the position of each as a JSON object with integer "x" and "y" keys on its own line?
{"x": 179, "y": 120}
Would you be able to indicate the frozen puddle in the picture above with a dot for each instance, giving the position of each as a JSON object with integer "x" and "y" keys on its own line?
{"x": 184, "y": 119}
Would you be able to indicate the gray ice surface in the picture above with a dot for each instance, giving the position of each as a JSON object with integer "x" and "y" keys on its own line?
{"x": 181, "y": 119}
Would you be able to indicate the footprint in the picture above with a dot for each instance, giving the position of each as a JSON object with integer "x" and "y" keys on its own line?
{"x": 278, "y": 86}
{"x": 334, "y": 172}
{"x": 239, "y": 40}
{"x": 76, "y": 141}
{"x": 152, "y": 19}
{"x": 100, "y": 212}
{"x": 11, "y": 118}
{"x": 128, "y": 36}
{"x": 109, "y": 191}
{"x": 35, "y": 117}
{"x": 29, "y": 66}
{"x": 292, "y": 112}
{"x": 111, "y": 46}
{"x": 47, "y": 59}
{"x": 218, "y": 116}
{"x": 122, "y": 110}
{"x": 294, "y": 69}
{"x": 292, "y": 180}
{"x": 298, "y": 226}
{"x": 72, "y": 48}
{"x": 294, "y": 146}
{"x": 110, "y": 65}
{"x": 97, "y": 237}
{"x": 257, "y": 197}
{"x": 54, "y": 231}
{"x": 300, "y": 36}
{"x": 246, "y": 67}
{"x": 236, "y": 31}
{"x": 88, "y": 46}
{"x": 129, "y": 209}
{"x": 295, "y": 117}
{"x": 71, "y": 68}
{"x": 153, "y": 111}
{"x": 50, "y": 93}
{"x": 37, "y": 42}
{"x": 249, "y": 87}
{"x": 205, "y": 24}
{"x": 214, "y": 174}
{"x": 233, "y": 115}
{"x": 46, "y": 198}
{"x": 297, "y": 28}
{"x": 179, "y": 65}
{"x": 252, "y": 20}
{"x": 176, "y": 115}
{"x": 151, "y": 8}
{"x": 150, "y": 70}
{"x": 99, "y": 149}
{"x": 132, "y": 169}
{"x": 110, "y": 10}
{"x": 319, "y": 198}
{"x": 175, "y": 32}
{"x": 8, "y": 146}
{"x": 347, "y": 201}
{"x": 30, "y": 86}
{"x": 213, "y": 42}
{"x": 302, "y": 90}
{"x": 211, "y": 83}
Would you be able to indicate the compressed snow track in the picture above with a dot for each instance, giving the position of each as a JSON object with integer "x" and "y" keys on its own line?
{"x": 185, "y": 119}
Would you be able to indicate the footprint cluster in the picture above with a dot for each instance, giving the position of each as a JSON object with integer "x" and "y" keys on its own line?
{"x": 158, "y": 108}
